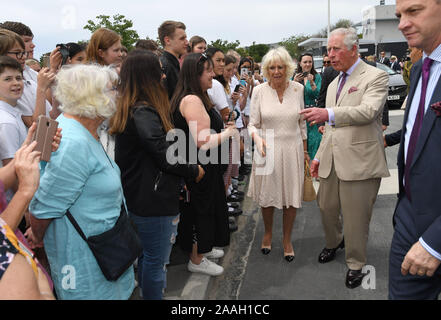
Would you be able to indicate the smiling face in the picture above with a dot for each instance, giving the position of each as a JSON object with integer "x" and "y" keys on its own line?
{"x": 306, "y": 63}
{"x": 277, "y": 73}
{"x": 420, "y": 23}
{"x": 229, "y": 72}
{"x": 218, "y": 63}
{"x": 11, "y": 86}
{"x": 206, "y": 79}
{"x": 112, "y": 55}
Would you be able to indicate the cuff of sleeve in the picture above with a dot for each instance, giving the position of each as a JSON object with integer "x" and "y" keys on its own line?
{"x": 429, "y": 249}
{"x": 331, "y": 116}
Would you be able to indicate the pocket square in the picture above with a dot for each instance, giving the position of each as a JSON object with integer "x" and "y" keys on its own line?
{"x": 436, "y": 107}
{"x": 353, "y": 89}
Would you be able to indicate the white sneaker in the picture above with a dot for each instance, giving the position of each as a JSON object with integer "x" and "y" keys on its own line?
{"x": 215, "y": 253}
{"x": 206, "y": 266}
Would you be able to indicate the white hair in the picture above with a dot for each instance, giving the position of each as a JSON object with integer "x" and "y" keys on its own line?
{"x": 83, "y": 90}
{"x": 278, "y": 54}
{"x": 350, "y": 37}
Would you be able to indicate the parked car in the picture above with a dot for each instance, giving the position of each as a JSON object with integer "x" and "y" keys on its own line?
{"x": 318, "y": 63}
{"x": 397, "y": 87}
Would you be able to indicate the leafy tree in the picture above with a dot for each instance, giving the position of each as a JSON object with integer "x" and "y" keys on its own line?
{"x": 342, "y": 23}
{"x": 224, "y": 45}
{"x": 120, "y": 25}
{"x": 257, "y": 51}
{"x": 292, "y": 44}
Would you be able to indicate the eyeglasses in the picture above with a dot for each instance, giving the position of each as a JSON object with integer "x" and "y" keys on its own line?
{"x": 19, "y": 54}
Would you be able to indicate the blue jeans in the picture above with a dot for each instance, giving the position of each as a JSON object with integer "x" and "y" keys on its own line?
{"x": 157, "y": 234}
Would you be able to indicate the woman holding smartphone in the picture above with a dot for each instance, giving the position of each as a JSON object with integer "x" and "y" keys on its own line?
{"x": 312, "y": 81}
{"x": 151, "y": 183}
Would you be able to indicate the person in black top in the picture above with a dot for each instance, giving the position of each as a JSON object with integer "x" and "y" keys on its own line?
{"x": 174, "y": 40}
{"x": 151, "y": 176}
{"x": 204, "y": 223}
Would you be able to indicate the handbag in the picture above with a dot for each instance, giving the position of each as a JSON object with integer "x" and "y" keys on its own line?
{"x": 114, "y": 250}
{"x": 309, "y": 193}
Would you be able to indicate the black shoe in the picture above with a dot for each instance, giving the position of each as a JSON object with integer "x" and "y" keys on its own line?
{"x": 289, "y": 256}
{"x": 232, "y": 224}
{"x": 354, "y": 278}
{"x": 232, "y": 212}
{"x": 234, "y": 198}
{"x": 238, "y": 193}
{"x": 329, "y": 254}
{"x": 234, "y": 205}
{"x": 265, "y": 251}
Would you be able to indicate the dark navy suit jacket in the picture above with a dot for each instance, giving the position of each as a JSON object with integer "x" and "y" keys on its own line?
{"x": 425, "y": 171}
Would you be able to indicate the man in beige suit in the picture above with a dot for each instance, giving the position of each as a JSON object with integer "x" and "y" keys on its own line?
{"x": 351, "y": 160}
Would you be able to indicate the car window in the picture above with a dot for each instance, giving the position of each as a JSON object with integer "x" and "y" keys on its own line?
{"x": 385, "y": 68}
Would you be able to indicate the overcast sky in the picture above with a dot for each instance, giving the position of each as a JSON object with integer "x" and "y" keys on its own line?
{"x": 262, "y": 21}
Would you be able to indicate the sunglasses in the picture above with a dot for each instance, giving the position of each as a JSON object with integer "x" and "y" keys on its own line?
{"x": 326, "y": 62}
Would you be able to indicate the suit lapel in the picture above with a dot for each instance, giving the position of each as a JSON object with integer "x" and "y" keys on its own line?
{"x": 351, "y": 80}
{"x": 428, "y": 121}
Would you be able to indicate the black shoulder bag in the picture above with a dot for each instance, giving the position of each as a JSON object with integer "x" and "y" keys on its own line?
{"x": 116, "y": 249}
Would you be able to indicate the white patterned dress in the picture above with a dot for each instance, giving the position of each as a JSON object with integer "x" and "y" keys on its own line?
{"x": 277, "y": 179}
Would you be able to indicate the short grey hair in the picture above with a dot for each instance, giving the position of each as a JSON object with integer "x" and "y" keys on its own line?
{"x": 83, "y": 91}
{"x": 278, "y": 54}
{"x": 350, "y": 37}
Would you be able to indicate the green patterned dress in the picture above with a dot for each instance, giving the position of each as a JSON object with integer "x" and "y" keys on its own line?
{"x": 314, "y": 136}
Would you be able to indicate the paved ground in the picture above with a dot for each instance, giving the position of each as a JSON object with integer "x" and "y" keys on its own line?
{"x": 250, "y": 275}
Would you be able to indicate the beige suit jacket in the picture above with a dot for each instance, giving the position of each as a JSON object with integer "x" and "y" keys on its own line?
{"x": 355, "y": 142}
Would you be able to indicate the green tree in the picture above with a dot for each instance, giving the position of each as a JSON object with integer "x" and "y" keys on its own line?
{"x": 342, "y": 23}
{"x": 119, "y": 24}
{"x": 257, "y": 51}
{"x": 224, "y": 45}
{"x": 292, "y": 44}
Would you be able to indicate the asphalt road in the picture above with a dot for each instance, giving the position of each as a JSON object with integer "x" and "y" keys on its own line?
{"x": 249, "y": 275}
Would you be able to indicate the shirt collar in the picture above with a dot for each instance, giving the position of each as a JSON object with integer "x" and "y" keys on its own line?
{"x": 351, "y": 69}
{"x": 9, "y": 109}
{"x": 435, "y": 55}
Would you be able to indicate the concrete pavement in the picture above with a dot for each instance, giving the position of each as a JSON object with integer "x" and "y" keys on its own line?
{"x": 250, "y": 275}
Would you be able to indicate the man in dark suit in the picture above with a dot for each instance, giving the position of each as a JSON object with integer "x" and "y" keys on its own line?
{"x": 384, "y": 59}
{"x": 415, "y": 254}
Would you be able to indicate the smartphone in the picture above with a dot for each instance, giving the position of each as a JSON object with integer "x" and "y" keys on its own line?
{"x": 237, "y": 88}
{"x": 305, "y": 74}
{"x": 231, "y": 116}
{"x": 243, "y": 72}
{"x": 44, "y": 135}
{"x": 64, "y": 53}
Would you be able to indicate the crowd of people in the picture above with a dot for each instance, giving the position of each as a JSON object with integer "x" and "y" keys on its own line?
{"x": 160, "y": 135}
